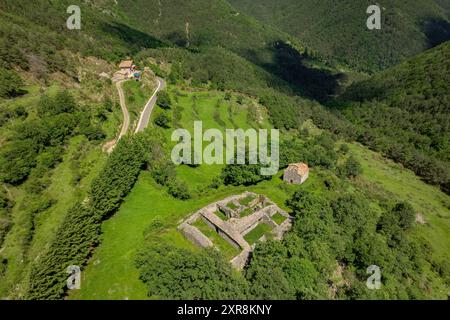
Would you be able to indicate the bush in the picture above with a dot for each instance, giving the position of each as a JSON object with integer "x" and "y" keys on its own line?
{"x": 179, "y": 190}
{"x": 350, "y": 168}
{"x": 63, "y": 102}
{"x": 10, "y": 83}
{"x": 16, "y": 161}
{"x": 344, "y": 148}
{"x": 164, "y": 100}
{"x": 162, "y": 120}
{"x": 249, "y": 174}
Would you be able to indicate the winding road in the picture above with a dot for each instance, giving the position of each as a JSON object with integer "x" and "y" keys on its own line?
{"x": 144, "y": 117}
{"x": 147, "y": 111}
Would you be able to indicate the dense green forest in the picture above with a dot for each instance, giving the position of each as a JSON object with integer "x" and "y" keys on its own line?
{"x": 58, "y": 188}
{"x": 404, "y": 112}
{"x": 338, "y": 231}
{"x": 337, "y": 29}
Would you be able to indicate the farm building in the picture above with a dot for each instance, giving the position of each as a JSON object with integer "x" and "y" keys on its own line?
{"x": 127, "y": 70}
{"x": 296, "y": 173}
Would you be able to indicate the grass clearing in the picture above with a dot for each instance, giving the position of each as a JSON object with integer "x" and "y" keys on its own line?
{"x": 404, "y": 185}
{"x": 246, "y": 212}
{"x": 246, "y": 200}
{"x": 232, "y": 206}
{"x": 260, "y": 230}
{"x": 278, "y": 218}
{"x": 226, "y": 248}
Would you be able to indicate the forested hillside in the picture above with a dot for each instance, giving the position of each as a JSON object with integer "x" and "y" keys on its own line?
{"x": 404, "y": 112}
{"x": 62, "y": 197}
{"x": 337, "y": 29}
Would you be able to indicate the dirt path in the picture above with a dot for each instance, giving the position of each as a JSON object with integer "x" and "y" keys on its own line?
{"x": 109, "y": 146}
{"x": 123, "y": 106}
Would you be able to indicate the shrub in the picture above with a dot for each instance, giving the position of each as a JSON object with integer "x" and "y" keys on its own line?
{"x": 162, "y": 120}
{"x": 350, "y": 168}
{"x": 179, "y": 190}
{"x": 246, "y": 175}
{"x": 10, "y": 83}
{"x": 16, "y": 161}
{"x": 164, "y": 100}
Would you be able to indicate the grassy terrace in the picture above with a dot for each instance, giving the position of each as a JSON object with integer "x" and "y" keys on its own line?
{"x": 246, "y": 200}
{"x": 278, "y": 218}
{"x": 226, "y": 248}
{"x": 246, "y": 212}
{"x": 260, "y": 230}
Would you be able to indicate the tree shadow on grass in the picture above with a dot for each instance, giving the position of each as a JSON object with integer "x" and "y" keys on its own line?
{"x": 290, "y": 65}
{"x": 17, "y": 93}
{"x": 437, "y": 31}
{"x": 136, "y": 40}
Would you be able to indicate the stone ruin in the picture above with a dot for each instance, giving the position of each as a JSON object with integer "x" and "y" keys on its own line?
{"x": 236, "y": 227}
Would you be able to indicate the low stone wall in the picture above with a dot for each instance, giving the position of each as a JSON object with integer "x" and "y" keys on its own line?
{"x": 269, "y": 221}
{"x": 192, "y": 218}
{"x": 280, "y": 230}
{"x": 241, "y": 259}
{"x": 193, "y": 234}
{"x": 224, "y": 230}
{"x": 230, "y": 213}
{"x": 246, "y": 224}
{"x": 258, "y": 199}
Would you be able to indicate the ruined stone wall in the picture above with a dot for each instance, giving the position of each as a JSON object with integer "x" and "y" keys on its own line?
{"x": 222, "y": 230}
{"x": 229, "y": 239}
{"x": 234, "y": 229}
{"x": 241, "y": 259}
{"x": 194, "y": 235}
{"x": 230, "y": 213}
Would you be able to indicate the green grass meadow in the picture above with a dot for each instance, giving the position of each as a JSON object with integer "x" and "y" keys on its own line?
{"x": 111, "y": 272}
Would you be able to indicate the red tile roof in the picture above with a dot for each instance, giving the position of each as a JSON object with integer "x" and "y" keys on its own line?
{"x": 300, "y": 168}
{"x": 126, "y": 64}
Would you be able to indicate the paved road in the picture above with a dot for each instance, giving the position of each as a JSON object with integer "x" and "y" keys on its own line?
{"x": 147, "y": 111}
